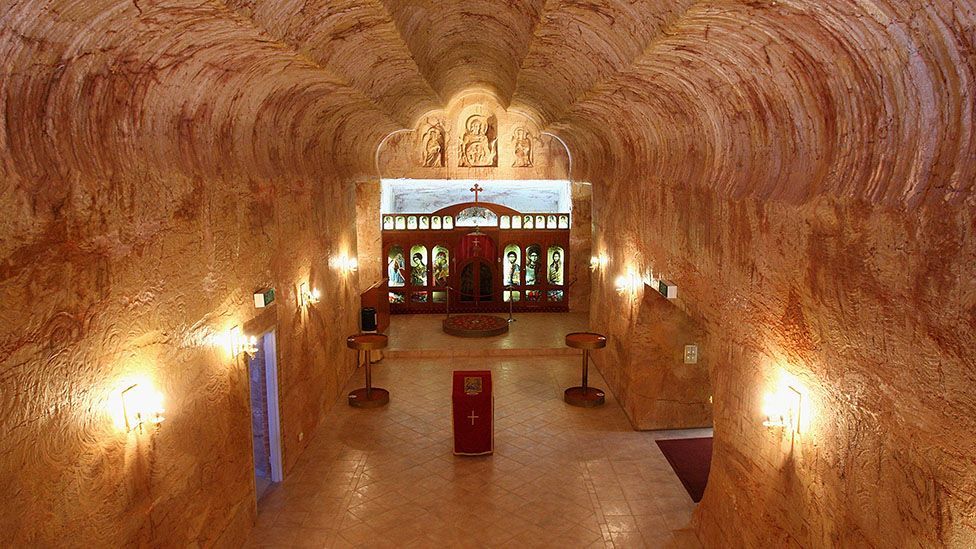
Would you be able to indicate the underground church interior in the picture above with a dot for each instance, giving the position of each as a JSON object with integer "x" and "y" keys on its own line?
{"x": 482, "y": 273}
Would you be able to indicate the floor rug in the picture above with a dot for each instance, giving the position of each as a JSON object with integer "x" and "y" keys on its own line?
{"x": 691, "y": 459}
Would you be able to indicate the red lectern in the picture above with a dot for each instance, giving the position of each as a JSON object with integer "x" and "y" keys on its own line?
{"x": 473, "y": 413}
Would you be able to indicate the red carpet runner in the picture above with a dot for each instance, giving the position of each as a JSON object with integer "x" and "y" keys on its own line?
{"x": 691, "y": 459}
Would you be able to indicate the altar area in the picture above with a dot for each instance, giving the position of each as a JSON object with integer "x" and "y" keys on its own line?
{"x": 532, "y": 334}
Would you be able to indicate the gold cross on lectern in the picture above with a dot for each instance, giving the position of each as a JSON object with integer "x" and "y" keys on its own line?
{"x": 473, "y": 417}
{"x": 476, "y": 190}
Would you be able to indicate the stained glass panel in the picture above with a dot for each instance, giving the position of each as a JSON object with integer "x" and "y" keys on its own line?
{"x": 396, "y": 297}
{"x": 418, "y": 266}
{"x": 555, "y": 269}
{"x": 394, "y": 268}
{"x": 511, "y": 262}
{"x": 515, "y": 296}
{"x": 555, "y": 295}
{"x": 533, "y": 254}
{"x": 442, "y": 266}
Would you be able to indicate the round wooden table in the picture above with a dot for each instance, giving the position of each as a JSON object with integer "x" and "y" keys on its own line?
{"x": 584, "y": 395}
{"x": 368, "y": 396}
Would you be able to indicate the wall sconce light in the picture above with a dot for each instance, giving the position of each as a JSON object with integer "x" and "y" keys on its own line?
{"x": 236, "y": 343}
{"x": 599, "y": 262}
{"x": 344, "y": 264}
{"x": 629, "y": 284}
{"x": 308, "y": 296}
{"x": 782, "y": 409}
{"x": 142, "y": 403}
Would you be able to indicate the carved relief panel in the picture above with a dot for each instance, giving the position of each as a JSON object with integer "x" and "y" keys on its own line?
{"x": 479, "y": 142}
{"x": 432, "y": 144}
{"x": 522, "y": 147}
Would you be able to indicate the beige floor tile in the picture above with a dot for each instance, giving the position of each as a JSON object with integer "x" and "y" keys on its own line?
{"x": 560, "y": 476}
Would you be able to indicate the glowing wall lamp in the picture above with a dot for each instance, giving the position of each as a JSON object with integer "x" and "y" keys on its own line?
{"x": 782, "y": 409}
{"x": 308, "y": 296}
{"x": 599, "y": 262}
{"x": 141, "y": 404}
{"x": 629, "y": 284}
{"x": 237, "y": 343}
{"x": 344, "y": 264}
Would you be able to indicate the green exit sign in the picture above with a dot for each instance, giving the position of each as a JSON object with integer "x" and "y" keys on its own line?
{"x": 264, "y": 298}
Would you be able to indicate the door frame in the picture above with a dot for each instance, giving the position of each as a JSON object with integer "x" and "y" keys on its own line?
{"x": 270, "y": 342}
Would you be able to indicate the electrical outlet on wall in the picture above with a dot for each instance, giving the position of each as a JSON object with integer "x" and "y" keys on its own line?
{"x": 691, "y": 354}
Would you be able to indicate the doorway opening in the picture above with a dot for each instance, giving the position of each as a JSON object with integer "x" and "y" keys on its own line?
{"x": 265, "y": 426}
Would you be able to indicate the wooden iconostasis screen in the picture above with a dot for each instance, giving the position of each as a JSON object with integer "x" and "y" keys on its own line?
{"x": 482, "y": 257}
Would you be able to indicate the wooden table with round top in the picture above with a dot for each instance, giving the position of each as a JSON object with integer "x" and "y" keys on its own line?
{"x": 368, "y": 396}
{"x": 585, "y": 395}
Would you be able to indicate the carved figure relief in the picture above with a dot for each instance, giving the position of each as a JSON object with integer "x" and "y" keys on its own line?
{"x": 522, "y": 141}
{"x": 479, "y": 144}
{"x": 433, "y": 146}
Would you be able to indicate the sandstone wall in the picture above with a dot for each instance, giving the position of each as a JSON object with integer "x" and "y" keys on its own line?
{"x": 804, "y": 173}
{"x": 146, "y": 196}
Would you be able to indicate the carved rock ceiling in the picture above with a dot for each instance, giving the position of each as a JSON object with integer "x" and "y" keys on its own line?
{"x": 258, "y": 86}
{"x": 802, "y": 169}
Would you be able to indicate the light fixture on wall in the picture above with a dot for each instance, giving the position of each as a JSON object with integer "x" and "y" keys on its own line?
{"x": 237, "y": 343}
{"x": 307, "y": 295}
{"x": 344, "y": 264}
{"x": 142, "y": 404}
{"x": 629, "y": 284}
{"x": 599, "y": 262}
{"x": 783, "y": 408}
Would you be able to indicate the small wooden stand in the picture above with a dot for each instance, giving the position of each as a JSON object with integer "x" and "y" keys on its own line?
{"x": 584, "y": 395}
{"x": 368, "y": 396}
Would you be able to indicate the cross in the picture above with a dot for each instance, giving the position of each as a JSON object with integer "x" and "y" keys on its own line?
{"x": 476, "y": 189}
{"x": 473, "y": 417}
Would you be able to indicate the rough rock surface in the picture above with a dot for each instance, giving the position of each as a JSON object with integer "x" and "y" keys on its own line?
{"x": 803, "y": 170}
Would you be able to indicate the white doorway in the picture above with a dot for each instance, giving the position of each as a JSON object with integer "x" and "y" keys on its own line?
{"x": 265, "y": 425}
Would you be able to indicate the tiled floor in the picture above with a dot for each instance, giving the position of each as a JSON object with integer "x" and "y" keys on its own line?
{"x": 560, "y": 476}
{"x": 531, "y": 334}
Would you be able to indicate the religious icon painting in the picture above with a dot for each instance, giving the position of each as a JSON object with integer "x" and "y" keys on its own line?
{"x": 412, "y": 223}
{"x": 418, "y": 297}
{"x": 395, "y": 267}
{"x": 516, "y": 222}
{"x": 512, "y": 259}
{"x": 527, "y": 222}
{"x": 435, "y": 223}
{"x": 424, "y": 223}
{"x": 472, "y": 385}
{"x": 388, "y": 223}
{"x": 512, "y": 296}
{"x": 540, "y": 222}
{"x": 442, "y": 268}
{"x": 401, "y": 223}
{"x": 439, "y": 297}
{"x": 564, "y": 222}
{"x": 418, "y": 266}
{"x": 448, "y": 222}
{"x": 551, "y": 222}
{"x": 505, "y": 222}
{"x": 533, "y": 253}
{"x": 555, "y": 269}
{"x": 555, "y": 295}
{"x": 396, "y": 297}
{"x": 533, "y": 295}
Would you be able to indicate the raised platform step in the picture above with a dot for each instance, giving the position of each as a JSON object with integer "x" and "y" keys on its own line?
{"x": 462, "y": 353}
{"x": 532, "y": 334}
